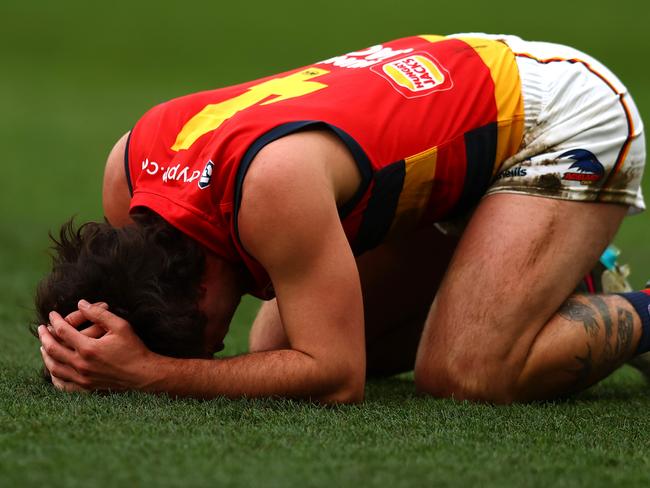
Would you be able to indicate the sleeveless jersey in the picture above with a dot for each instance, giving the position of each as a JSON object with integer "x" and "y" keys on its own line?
{"x": 429, "y": 120}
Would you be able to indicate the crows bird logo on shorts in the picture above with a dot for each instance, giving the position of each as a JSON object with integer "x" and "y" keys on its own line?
{"x": 206, "y": 176}
{"x": 585, "y": 167}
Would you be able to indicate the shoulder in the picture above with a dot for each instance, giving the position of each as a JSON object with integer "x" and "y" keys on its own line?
{"x": 287, "y": 193}
{"x": 308, "y": 148}
{"x": 302, "y": 162}
{"x": 290, "y": 169}
{"x": 116, "y": 197}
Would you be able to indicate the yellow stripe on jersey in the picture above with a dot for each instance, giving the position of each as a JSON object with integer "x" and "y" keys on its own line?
{"x": 432, "y": 38}
{"x": 419, "y": 174}
{"x": 500, "y": 59}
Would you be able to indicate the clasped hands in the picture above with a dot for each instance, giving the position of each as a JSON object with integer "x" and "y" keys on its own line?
{"x": 108, "y": 355}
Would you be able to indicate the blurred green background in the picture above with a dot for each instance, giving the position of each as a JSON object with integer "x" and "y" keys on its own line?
{"x": 76, "y": 75}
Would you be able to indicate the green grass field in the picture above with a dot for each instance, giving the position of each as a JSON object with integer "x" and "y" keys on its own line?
{"x": 76, "y": 75}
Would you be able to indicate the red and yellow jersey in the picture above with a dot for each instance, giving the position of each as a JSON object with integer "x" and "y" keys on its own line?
{"x": 429, "y": 120}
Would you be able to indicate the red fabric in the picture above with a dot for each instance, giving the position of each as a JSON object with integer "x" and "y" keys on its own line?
{"x": 589, "y": 279}
{"x": 389, "y": 122}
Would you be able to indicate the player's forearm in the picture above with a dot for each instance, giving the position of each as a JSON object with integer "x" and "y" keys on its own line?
{"x": 285, "y": 373}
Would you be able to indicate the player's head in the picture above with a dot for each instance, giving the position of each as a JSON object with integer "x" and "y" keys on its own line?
{"x": 150, "y": 274}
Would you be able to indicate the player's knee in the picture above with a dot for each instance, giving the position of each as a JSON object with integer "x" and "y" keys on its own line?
{"x": 466, "y": 377}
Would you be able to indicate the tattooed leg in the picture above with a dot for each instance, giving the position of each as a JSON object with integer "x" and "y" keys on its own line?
{"x": 589, "y": 337}
{"x": 494, "y": 332}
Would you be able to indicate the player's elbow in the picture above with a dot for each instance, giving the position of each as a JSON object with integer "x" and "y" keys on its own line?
{"x": 343, "y": 397}
{"x": 346, "y": 385}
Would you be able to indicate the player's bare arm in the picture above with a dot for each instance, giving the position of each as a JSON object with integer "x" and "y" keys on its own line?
{"x": 316, "y": 283}
{"x": 115, "y": 191}
{"x": 398, "y": 281}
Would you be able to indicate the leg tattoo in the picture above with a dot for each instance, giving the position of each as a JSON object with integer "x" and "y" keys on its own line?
{"x": 576, "y": 311}
{"x": 603, "y": 309}
{"x": 625, "y": 332}
{"x": 604, "y": 350}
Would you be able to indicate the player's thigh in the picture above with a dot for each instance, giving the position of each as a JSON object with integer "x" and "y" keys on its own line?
{"x": 517, "y": 262}
{"x": 399, "y": 280}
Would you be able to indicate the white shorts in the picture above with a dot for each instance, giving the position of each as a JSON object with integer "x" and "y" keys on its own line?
{"x": 583, "y": 137}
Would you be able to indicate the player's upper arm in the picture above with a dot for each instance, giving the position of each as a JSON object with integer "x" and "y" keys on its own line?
{"x": 115, "y": 191}
{"x": 290, "y": 223}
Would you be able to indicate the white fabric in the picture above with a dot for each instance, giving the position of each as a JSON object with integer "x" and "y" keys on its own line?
{"x": 572, "y": 105}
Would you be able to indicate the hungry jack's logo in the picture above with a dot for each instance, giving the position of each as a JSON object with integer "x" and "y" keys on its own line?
{"x": 415, "y": 75}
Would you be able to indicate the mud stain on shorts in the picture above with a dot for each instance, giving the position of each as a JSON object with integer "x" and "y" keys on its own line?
{"x": 534, "y": 134}
{"x": 551, "y": 182}
{"x": 525, "y": 155}
{"x": 623, "y": 180}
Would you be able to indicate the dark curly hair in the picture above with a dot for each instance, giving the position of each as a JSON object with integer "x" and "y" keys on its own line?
{"x": 148, "y": 272}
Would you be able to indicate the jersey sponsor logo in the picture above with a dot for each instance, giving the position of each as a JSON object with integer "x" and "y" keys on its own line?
{"x": 366, "y": 58}
{"x": 206, "y": 176}
{"x": 415, "y": 75}
{"x": 174, "y": 172}
{"x": 585, "y": 167}
{"x": 516, "y": 172}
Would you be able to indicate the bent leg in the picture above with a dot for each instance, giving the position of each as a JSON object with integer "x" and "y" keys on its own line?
{"x": 502, "y": 327}
{"x": 597, "y": 333}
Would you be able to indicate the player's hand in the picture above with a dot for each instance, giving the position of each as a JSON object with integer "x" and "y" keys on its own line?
{"x": 117, "y": 360}
{"x": 76, "y": 319}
